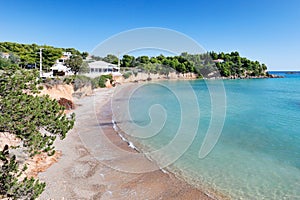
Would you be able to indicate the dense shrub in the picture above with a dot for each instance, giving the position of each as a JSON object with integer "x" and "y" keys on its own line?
{"x": 24, "y": 115}
{"x": 81, "y": 81}
{"x": 100, "y": 81}
{"x": 127, "y": 75}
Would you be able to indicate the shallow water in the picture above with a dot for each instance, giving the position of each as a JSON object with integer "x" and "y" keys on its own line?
{"x": 258, "y": 153}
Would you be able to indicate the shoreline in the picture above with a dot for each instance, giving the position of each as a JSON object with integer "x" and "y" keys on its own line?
{"x": 170, "y": 170}
{"x": 211, "y": 194}
{"x": 81, "y": 175}
{"x": 139, "y": 147}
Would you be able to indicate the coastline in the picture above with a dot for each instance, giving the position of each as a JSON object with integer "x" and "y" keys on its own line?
{"x": 80, "y": 175}
{"x": 136, "y": 145}
{"x": 144, "y": 77}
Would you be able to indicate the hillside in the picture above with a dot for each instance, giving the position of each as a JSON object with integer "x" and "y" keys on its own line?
{"x": 28, "y": 54}
{"x": 229, "y": 65}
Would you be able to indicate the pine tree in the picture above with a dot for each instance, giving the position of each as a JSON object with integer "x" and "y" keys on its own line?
{"x": 36, "y": 120}
{"x": 10, "y": 184}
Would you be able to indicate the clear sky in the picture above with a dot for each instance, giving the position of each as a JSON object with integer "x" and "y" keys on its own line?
{"x": 263, "y": 30}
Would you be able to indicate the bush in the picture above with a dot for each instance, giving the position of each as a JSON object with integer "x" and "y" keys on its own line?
{"x": 69, "y": 79}
{"x": 24, "y": 115}
{"x": 127, "y": 75}
{"x": 81, "y": 81}
{"x": 50, "y": 82}
{"x": 100, "y": 81}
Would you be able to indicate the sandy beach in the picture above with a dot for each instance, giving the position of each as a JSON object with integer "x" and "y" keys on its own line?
{"x": 80, "y": 174}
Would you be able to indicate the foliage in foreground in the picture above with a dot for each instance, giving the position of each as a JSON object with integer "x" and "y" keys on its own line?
{"x": 36, "y": 120}
{"x": 12, "y": 185}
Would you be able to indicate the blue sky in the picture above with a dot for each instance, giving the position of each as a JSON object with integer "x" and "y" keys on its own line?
{"x": 263, "y": 30}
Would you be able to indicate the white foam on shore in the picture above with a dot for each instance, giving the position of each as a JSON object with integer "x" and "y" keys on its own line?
{"x": 210, "y": 195}
{"x": 121, "y": 136}
{"x": 115, "y": 127}
{"x": 131, "y": 145}
{"x": 164, "y": 171}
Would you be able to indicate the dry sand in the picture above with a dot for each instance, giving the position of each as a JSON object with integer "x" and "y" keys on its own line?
{"x": 79, "y": 175}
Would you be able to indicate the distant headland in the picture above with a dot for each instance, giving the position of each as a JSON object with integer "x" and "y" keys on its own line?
{"x": 206, "y": 65}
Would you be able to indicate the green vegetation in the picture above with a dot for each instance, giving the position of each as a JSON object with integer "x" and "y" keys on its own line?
{"x": 126, "y": 75}
{"x": 157, "y": 64}
{"x": 84, "y": 68}
{"x": 109, "y": 58}
{"x": 228, "y": 64}
{"x": 205, "y": 65}
{"x": 75, "y": 62}
{"x": 100, "y": 81}
{"x": 24, "y": 114}
{"x": 29, "y": 53}
{"x": 36, "y": 120}
{"x": 10, "y": 184}
{"x": 80, "y": 81}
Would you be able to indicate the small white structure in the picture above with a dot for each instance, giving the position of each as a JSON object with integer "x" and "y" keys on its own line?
{"x": 67, "y": 54}
{"x": 218, "y": 61}
{"x": 64, "y": 57}
{"x": 46, "y": 75}
{"x": 4, "y": 55}
{"x": 61, "y": 70}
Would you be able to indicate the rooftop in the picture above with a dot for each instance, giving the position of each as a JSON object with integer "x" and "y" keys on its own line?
{"x": 102, "y": 64}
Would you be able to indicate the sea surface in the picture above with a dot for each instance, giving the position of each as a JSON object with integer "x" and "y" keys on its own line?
{"x": 257, "y": 155}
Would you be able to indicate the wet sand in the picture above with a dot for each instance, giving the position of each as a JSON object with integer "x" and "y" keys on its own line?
{"x": 82, "y": 174}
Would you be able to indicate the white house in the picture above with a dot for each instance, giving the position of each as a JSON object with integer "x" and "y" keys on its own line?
{"x": 100, "y": 67}
{"x": 59, "y": 68}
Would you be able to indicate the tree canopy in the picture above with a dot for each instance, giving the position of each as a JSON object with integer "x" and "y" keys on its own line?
{"x": 233, "y": 65}
{"x": 205, "y": 64}
{"x": 29, "y": 53}
{"x": 75, "y": 63}
{"x": 10, "y": 184}
{"x": 111, "y": 59}
{"x": 36, "y": 120}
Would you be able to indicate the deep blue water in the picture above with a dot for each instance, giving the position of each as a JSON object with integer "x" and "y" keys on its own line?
{"x": 258, "y": 153}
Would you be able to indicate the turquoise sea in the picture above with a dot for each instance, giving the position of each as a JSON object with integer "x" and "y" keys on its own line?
{"x": 257, "y": 155}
